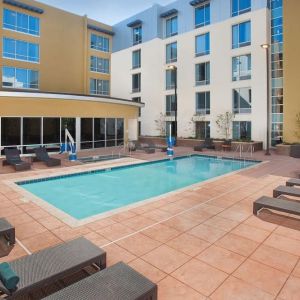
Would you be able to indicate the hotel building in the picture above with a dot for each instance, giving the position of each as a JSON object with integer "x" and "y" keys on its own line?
{"x": 56, "y": 74}
{"x": 62, "y": 70}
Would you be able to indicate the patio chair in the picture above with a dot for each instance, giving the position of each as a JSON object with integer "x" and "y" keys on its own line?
{"x": 226, "y": 146}
{"x": 117, "y": 282}
{"x": 159, "y": 147}
{"x": 207, "y": 144}
{"x": 13, "y": 158}
{"x": 7, "y": 237}
{"x": 48, "y": 266}
{"x": 147, "y": 149}
{"x": 293, "y": 182}
{"x": 286, "y": 190}
{"x": 42, "y": 155}
{"x": 279, "y": 204}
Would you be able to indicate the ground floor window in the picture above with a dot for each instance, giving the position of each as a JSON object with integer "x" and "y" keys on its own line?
{"x": 170, "y": 128}
{"x": 139, "y": 128}
{"x": 241, "y": 130}
{"x": 27, "y": 133}
{"x": 202, "y": 130}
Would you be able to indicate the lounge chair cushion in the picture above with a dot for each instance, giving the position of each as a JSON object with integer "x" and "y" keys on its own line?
{"x": 8, "y": 277}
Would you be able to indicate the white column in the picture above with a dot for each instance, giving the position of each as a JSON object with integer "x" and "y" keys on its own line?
{"x": 78, "y": 133}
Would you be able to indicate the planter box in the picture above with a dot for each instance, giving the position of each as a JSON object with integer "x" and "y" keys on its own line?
{"x": 282, "y": 149}
{"x": 257, "y": 146}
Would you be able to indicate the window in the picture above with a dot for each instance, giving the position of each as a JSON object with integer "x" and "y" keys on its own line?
{"x": 86, "y": 133}
{"x": 137, "y": 35}
{"x": 70, "y": 124}
{"x": 136, "y": 59}
{"x": 202, "y": 130}
{"x": 202, "y": 44}
{"x": 170, "y": 105}
{"x": 171, "y": 128}
{"x": 120, "y": 131}
{"x": 99, "y": 65}
{"x": 136, "y": 83}
{"x": 111, "y": 132}
{"x": 241, "y": 130}
{"x": 21, "y": 22}
{"x": 10, "y": 131}
{"x": 170, "y": 79}
{"x": 242, "y": 101}
{"x": 19, "y": 78}
{"x": 171, "y": 53}
{"x": 239, "y": 7}
{"x": 51, "y": 131}
{"x": 203, "y": 73}
{"x": 99, "y": 43}
{"x": 138, "y": 100}
{"x": 203, "y": 103}
{"x": 99, "y": 87}
{"x": 241, "y": 35}
{"x": 202, "y": 15}
{"x": 31, "y": 133}
{"x": 99, "y": 132}
{"x": 171, "y": 26}
{"x": 241, "y": 67}
{"x": 20, "y": 50}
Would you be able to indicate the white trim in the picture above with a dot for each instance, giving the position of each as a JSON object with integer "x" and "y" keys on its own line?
{"x": 30, "y": 96}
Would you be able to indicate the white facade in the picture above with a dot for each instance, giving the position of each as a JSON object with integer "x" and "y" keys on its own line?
{"x": 153, "y": 68}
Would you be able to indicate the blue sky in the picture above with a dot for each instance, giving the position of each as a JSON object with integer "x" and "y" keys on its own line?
{"x": 106, "y": 11}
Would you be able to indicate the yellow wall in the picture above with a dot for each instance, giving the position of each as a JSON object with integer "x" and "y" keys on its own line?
{"x": 291, "y": 69}
{"x": 64, "y": 49}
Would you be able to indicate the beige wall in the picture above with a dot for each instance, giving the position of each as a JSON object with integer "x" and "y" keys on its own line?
{"x": 64, "y": 49}
{"x": 291, "y": 69}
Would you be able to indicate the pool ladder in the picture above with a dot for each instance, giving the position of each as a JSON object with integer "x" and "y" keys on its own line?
{"x": 122, "y": 147}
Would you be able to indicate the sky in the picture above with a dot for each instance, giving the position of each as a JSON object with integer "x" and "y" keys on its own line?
{"x": 106, "y": 11}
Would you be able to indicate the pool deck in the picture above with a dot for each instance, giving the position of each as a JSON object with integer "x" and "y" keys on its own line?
{"x": 201, "y": 243}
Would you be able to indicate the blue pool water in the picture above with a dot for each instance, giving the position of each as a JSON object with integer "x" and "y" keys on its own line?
{"x": 88, "y": 194}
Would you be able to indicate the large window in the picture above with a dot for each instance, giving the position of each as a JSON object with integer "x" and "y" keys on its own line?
{"x": 203, "y": 103}
{"x": 70, "y": 124}
{"x": 137, "y": 35}
{"x": 202, "y": 73}
{"x": 99, "y": 65}
{"x": 86, "y": 133}
{"x": 171, "y": 26}
{"x": 239, "y": 7}
{"x": 241, "y": 67}
{"x": 171, "y": 53}
{"x": 19, "y": 78}
{"x": 99, "y": 87}
{"x": 170, "y": 79}
{"x": 10, "y": 131}
{"x": 99, "y": 43}
{"x": 202, "y": 44}
{"x": 21, "y": 22}
{"x": 99, "y": 133}
{"x": 170, "y": 105}
{"x": 31, "y": 133}
{"x": 51, "y": 131}
{"x": 241, "y": 130}
{"x": 136, "y": 59}
{"x": 20, "y": 50}
{"x": 241, "y": 35}
{"x": 242, "y": 101}
{"x": 136, "y": 83}
{"x": 202, "y": 130}
{"x": 202, "y": 15}
{"x": 111, "y": 132}
{"x": 120, "y": 131}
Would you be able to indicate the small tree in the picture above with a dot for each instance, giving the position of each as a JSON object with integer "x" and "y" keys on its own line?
{"x": 297, "y": 132}
{"x": 160, "y": 124}
{"x": 224, "y": 123}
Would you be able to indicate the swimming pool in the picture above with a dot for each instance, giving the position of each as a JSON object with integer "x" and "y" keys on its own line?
{"x": 91, "y": 193}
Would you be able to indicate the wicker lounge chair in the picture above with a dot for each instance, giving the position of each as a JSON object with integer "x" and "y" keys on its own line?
{"x": 286, "y": 190}
{"x": 7, "y": 237}
{"x": 42, "y": 155}
{"x": 119, "y": 282}
{"x": 293, "y": 182}
{"x": 284, "y": 205}
{"x": 147, "y": 149}
{"x": 46, "y": 267}
{"x": 13, "y": 158}
{"x": 208, "y": 144}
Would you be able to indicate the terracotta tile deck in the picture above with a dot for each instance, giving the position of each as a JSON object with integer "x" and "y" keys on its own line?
{"x": 201, "y": 243}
